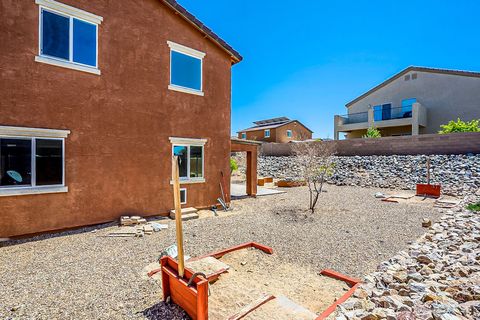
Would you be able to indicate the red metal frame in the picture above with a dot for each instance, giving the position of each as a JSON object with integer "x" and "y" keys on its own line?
{"x": 351, "y": 281}
{"x": 194, "y": 299}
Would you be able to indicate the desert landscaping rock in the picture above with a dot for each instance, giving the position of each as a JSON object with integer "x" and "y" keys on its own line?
{"x": 437, "y": 277}
{"x": 459, "y": 175}
{"x": 83, "y": 275}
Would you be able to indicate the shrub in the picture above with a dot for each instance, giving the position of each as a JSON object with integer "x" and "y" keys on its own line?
{"x": 474, "y": 206}
{"x": 233, "y": 165}
{"x": 373, "y": 132}
{"x": 460, "y": 126}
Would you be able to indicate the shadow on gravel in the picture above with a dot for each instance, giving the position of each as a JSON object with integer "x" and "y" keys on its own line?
{"x": 293, "y": 214}
{"x": 165, "y": 311}
{"x": 54, "y": 234}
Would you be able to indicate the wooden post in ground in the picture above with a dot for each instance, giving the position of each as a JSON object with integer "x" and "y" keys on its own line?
{"x": 178, "y": 215}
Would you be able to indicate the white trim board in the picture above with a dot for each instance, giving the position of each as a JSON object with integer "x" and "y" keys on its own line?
{"x": 8, "y": 131}
{"x": 78, "y": 13}
{"x": 186, "y": 50}
{"x": 185, "y": 90}
{"x": 67, "y": 64}
{"x": 31, "y": 190}
{"x": 190, "y": 181}
{"x": 187, "y": 141}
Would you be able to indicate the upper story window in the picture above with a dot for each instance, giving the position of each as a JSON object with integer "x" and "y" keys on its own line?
{"x": 190, "y": 153}
{"x": 267, "y": 133}
{"x": 31, "y": 160}
{"x": 244, "y": 135}
{"x": 68, "y": 37}
{"x": 289, "y": 133}
{"x": 186, "y": 66}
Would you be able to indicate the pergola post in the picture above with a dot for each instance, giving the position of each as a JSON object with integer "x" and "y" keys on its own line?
{"x": 251, "y": 148}
{"x": 252, "y": 173}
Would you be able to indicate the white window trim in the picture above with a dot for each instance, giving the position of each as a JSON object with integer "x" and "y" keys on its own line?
{"x": 192, "y": 53}
{"x": 8, "y": 132}
{"x": 244, "y": 135}
{"x": 186, "y": 50}
{"x": 184, "y": 189}
{"x": 289, "y": 135}
{"x": 22, "y": 191}
{"x": 265, "y": 133}
{"x": 70, "y": 12}
{"x": 188, "y": 142}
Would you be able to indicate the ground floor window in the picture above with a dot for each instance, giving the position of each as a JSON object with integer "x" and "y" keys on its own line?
{"x": 190, "y": 153}
{"x": 31, "y": 162}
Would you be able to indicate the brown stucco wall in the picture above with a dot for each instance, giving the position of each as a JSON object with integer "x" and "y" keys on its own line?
{"x": 299, "y": 132}
{"x": 259, "y": 135}
{"x": 279, "y": 134}
{"x": 118, "y": 155}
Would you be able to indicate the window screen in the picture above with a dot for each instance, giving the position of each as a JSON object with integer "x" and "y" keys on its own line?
{"x": 84, "y": 42}
{"x": 186, "y": 71}
{"x": 182, "y": 153}
{"x": 49, "y": 162}
{"x": 55, "y": 35}
{"x": 15, "y": 162}
{"x": 196, "y": 162}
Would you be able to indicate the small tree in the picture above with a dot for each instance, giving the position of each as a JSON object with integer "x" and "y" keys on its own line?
{"x": 460, "y": 126}
{"x": 315, "y": 160}
{"x": 233, "y": 165}
{"x": 373, "y": 132}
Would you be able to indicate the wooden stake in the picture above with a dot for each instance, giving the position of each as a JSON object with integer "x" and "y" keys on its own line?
{"x": 178, "y": 215}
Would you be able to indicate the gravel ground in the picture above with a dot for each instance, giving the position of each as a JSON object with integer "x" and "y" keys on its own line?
{"x": 81, "y": 275}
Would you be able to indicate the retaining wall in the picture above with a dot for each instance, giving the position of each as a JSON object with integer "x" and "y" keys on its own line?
{"x": 455, "y": 143}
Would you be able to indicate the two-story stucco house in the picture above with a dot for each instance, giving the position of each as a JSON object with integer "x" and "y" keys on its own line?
{"x": 415, "y": 101}
{"x": 280, "y": 130}
{"x": 95, "y": 99}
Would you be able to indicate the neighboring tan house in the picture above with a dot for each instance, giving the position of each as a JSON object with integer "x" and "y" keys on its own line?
{"x": 279, "y": 130}
{"x": 95, "y": 98}
{"x": 415, "y": 101}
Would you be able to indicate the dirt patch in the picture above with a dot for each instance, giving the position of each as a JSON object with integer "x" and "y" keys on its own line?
{"x": 254, "y": 273}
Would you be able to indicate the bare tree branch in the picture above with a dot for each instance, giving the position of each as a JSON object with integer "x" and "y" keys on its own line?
{"x": 315, "y": 159}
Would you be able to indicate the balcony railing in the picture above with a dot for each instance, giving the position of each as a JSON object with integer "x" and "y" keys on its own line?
{"x": 355, "y": 117}
{"x": 392, "y": 113}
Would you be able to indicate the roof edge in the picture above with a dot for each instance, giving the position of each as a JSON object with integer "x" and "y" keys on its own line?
{"x": 279, "y": 126}
{"x": 415, "y": 68}
{"x": 185, "y": 14}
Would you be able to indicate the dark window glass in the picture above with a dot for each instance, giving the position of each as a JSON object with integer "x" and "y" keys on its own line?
{"x": 55, "y": 35}
{"x": 186, "y": 71}
{"x": 181, "y": 152}
{"x": 84, "y": 42}
{"x": 15, "y": 162}
{"x": 49, "y": 162}
{"x": 196, "y": 162}
{"x": 183, "y": 196}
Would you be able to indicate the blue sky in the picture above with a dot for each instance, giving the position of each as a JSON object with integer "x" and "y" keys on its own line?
{"x": 307, "y": 59}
